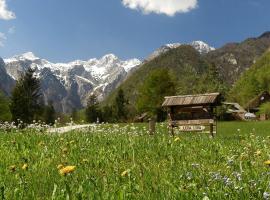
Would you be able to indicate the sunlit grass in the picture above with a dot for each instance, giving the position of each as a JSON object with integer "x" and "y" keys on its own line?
{"x": 124, "y": 162}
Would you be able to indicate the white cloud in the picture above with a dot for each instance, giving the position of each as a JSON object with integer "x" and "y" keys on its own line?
{"x": 167, "y": 7}
{"x": 2, "y": 39}
{"x": 5, "y": 14}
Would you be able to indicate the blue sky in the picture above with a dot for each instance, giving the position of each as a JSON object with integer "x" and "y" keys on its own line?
{"x": 65, "y": 30}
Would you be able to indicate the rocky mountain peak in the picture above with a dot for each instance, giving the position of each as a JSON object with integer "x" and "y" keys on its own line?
{"x": 109, "y": 58}
{"x": 29, "y": 56}
{"x": 265, "y": 35}
{"x": 200, "y": 46}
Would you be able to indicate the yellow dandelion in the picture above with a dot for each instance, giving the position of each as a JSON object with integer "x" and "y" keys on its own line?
{"x": 177, "y": 139}
{"x": 60, "y": 166}
{"x": 125, "y": 173}
{"x": 267, "y": 162}
{"x": 25, "y": 167}
{"x": 12, "y": 168}
{"x": 67, "y": 170}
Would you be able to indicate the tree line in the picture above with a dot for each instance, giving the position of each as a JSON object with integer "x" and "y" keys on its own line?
{"x": 26, "y": 103}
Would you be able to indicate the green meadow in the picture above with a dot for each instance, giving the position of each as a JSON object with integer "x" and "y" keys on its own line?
{"x": 122, "y": 161}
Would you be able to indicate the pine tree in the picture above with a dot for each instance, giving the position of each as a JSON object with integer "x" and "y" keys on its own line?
{"x": 151, "y": 94}
{"x": 120, "y": 106}
{"x": 107, "y": 114}
{"x": 25, "y": 99}
{"x": 92, "y": 113}
{"x": 49, "y": 114}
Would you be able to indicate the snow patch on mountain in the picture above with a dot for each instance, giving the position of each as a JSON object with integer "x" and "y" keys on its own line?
{"x": 200, "y": 46}
{"x": 173, "y": 45}
{"x": 26, "y": 56}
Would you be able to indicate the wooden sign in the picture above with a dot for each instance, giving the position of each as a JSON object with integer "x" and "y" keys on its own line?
{"x": 189, "y": 128}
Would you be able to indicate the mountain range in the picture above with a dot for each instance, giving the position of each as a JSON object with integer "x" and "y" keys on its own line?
{"x": 68, "y": 85}
{"x": 197, "y": 72}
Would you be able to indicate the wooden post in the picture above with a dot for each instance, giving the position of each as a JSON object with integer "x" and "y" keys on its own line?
{"x": 170, "y": 119}
{"x": 211, "y": 112}
{"x": 171, "y": 130}
{"x": 212, "y": 129}
{"x": 152, "y": 126}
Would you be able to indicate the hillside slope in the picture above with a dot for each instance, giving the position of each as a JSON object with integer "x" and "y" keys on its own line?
{"x": 235, "y": 58}
{"x": 253, "y": 81}
{"x": 192, "y": 72}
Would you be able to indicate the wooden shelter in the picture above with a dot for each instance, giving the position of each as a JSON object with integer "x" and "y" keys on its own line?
{"x": 193, "y": 112}
{"x": 253, "y": 105}
{"x": 235, "y": 111}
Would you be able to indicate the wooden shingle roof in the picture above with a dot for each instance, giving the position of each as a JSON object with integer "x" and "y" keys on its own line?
{"x": 192, "y": 100}
{"x": 258, "y": 100}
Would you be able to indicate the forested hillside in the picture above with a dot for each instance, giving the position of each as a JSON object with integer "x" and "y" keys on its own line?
{"x": 190, "y": 70}
{"x": 253, "y": 81}
{"x": 233, "y": 59}
{"x": 215, "y": 71}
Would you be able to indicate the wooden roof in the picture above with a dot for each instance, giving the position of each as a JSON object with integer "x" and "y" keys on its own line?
{"x": 258, "y": 100}
{"x": 234, "y": 107}
{"x": 192, "y": 100}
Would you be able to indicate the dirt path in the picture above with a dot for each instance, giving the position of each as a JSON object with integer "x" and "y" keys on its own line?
{"x": 68, "y": 128}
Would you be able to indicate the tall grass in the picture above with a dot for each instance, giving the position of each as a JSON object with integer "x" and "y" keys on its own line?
{"x": 123, "y": 162}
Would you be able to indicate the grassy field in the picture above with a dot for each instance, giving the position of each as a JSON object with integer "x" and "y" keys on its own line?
{"x": 123, "y": 162}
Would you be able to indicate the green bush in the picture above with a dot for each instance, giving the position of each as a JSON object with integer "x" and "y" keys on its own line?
{"x": 265, "y": 109}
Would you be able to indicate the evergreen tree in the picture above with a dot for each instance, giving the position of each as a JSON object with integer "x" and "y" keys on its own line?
{"x": 5, "y": 114}
{"x": 151, "y": 94}
{"x": 25, "y": 99}
{"x": 107, "y": 114}
{"x": 49, "y": 114}
{"x": 74, "y": 115}
{"x": 92, "y": 113}
{"x": 120, "y": 104}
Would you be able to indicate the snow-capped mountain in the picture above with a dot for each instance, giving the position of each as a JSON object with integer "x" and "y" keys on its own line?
{"x": 68, "y": 85}
{"x": 200, "y": 46}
